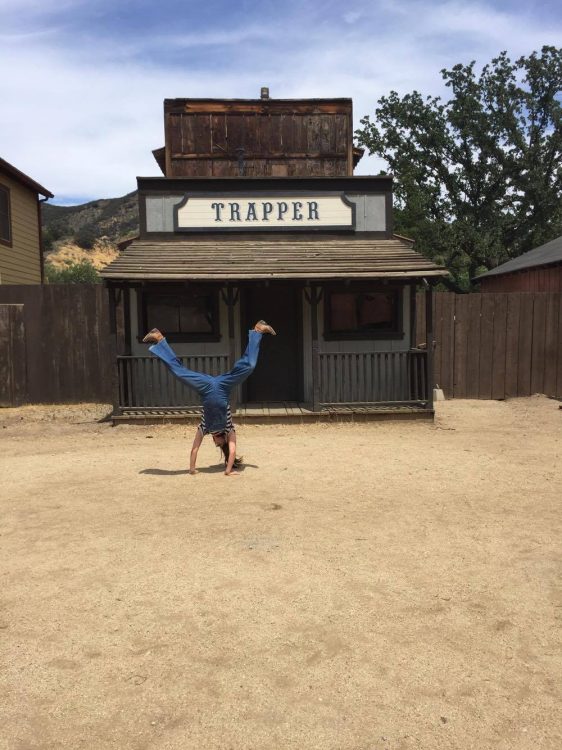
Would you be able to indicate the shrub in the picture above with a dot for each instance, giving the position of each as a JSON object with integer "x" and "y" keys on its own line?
{"x": 74, "y": 273}
{"x": 52, "y": 234}
{"x": 85, "y": 237}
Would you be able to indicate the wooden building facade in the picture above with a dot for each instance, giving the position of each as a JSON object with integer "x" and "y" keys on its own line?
{"x": 281, "y": 231}
{"x": 21, "y": 253}
{"x": 539, "y": 270}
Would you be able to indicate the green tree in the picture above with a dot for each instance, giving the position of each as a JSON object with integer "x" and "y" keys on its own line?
{"x": 75, "y": 273}
{"x": 52, "y": 233}
{"x": 85, "y": 237}
{"x": 478, "y": 178}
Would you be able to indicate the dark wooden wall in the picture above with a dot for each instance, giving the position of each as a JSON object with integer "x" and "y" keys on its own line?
{"x": 496, "y": 345}
{"x": 279, "y": 137}
{"x": 547, "y": 279}
{"x": 13, "y": 376}
{"x": 63, "y": 348}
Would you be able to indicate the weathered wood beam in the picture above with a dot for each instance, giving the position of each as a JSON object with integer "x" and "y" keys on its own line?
{"x": 269, "y": 155}
{"x": 314, "y": 299}
{"x": 113, "y": 348}
{"x": 429, "y": 339}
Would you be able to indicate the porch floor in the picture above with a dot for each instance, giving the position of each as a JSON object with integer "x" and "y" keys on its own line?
{"x": 279, "y": 412}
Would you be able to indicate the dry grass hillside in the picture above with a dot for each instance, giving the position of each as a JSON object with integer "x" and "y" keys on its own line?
{"x": 67, "y": 253}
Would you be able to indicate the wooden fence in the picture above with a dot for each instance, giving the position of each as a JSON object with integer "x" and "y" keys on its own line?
{"x": 496, "y": 345}
{"x": 13, "y": 374}
{"x": 60, "y": 347}
{"x": 56, "y": 348}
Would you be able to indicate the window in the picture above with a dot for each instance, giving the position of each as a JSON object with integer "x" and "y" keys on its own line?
{"x": 364, "y": 313}
{"x": 5, "y": 218}
{"x": 182, "y": 314}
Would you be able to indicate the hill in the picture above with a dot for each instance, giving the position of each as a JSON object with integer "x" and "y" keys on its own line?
{"x": 112, "y": 218}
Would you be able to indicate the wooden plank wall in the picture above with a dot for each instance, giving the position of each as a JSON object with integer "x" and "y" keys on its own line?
{"x": 20, "y": 263}
{"x": 279, "y": 138}
{"x": 489, "y": 345}
{"x": 496, "y": 345}
{"x": 546, "y": 279}
{"x": 13, "y": 373}
{"x": 67, "y": 354}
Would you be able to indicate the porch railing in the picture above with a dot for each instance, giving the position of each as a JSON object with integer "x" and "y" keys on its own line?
{"x": 373, "y": 377}
{"x": 362, "y": 377}
{"x": 145, "y": 382}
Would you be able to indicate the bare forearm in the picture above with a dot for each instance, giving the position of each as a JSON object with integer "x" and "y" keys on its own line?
{"x": 194, "y": 450}
{"x": 230, "y": 462}
{"x": 231, "y": 457}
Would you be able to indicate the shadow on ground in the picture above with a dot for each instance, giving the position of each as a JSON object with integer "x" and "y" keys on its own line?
{"x": 218, "y": 469}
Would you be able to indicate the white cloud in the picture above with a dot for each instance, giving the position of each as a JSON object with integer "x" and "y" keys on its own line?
{"x": 83, "y": 122}
{"x": 352, "y": 16}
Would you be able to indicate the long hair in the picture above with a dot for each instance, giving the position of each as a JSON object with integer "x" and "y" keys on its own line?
{"x": 225, "y": 448}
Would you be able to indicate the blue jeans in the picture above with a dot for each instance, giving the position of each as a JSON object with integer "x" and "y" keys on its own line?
{"x": 213, "y": 389}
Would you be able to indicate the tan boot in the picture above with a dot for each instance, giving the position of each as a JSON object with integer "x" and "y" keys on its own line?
{"x": 263, "y": 327}
{"x": 153, "y": 337}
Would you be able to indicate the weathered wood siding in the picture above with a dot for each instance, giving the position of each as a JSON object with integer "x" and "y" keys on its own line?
{"x": 13, "y": 371}
{"x": 21, "y": 263}
{"x": 347, "y": 346}
{"x": 206, "y": 348}
{"x": 280, "y": 138}
{"x": 547, "y": 279}
{"x": 496, "y": 345}
{"x": 67, "y": 347}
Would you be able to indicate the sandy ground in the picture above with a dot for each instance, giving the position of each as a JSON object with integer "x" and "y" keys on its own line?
{"x": 358, "y": 587}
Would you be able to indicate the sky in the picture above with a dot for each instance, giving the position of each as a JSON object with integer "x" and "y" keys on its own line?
{"x": 82, "y": 82}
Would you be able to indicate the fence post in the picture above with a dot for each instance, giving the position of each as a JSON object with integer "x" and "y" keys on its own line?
{"x": 113, "y": 347}
{"x": 315, "y": 298}
{"x": 429, "y": 339}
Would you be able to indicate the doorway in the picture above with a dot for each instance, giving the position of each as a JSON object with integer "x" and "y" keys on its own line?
{"x": 278, "y": 374}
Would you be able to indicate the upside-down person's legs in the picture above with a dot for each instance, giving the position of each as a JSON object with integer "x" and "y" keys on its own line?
{"x": 247, "y": 362}
{"x": 245, "y": 366}
{"x": 199, "y": 381}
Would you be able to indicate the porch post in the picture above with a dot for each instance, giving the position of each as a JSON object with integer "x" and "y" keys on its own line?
{"x": 429, "y": 340}
{"x": 231, "y": 298}
{"x": 113, "y": 347}
{"x": 314, "y": 299}
{"x": 127, "y": 318}
{"x": 413, "y": 315}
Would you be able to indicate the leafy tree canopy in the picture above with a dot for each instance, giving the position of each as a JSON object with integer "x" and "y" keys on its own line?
{"x": 478, "y": 179}
{"x": 75, "y": 273}
{"x": 85, "y": 237}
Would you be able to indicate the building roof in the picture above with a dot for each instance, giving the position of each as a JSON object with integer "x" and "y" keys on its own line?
{"x": 24, "y": 179}
{"x": 279, "y": 257}
{"x": 544, "y": 255}
{"x": 203, "y": 104}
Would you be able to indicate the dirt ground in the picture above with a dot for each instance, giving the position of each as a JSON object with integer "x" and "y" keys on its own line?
{"x": 373, "y": 586}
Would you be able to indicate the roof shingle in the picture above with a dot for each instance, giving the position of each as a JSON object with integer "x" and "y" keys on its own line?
{"x": 281, "y": 257}
{"x": 544, "y": 255}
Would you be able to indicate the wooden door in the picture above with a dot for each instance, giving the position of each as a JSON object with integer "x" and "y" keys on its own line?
{"x": 278, "y": 375}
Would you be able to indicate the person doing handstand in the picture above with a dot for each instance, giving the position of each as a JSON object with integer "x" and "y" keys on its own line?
{"x": 214, "y": 391}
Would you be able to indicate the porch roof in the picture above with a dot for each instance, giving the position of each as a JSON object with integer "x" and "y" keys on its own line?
{"x": 282, "y": 257}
